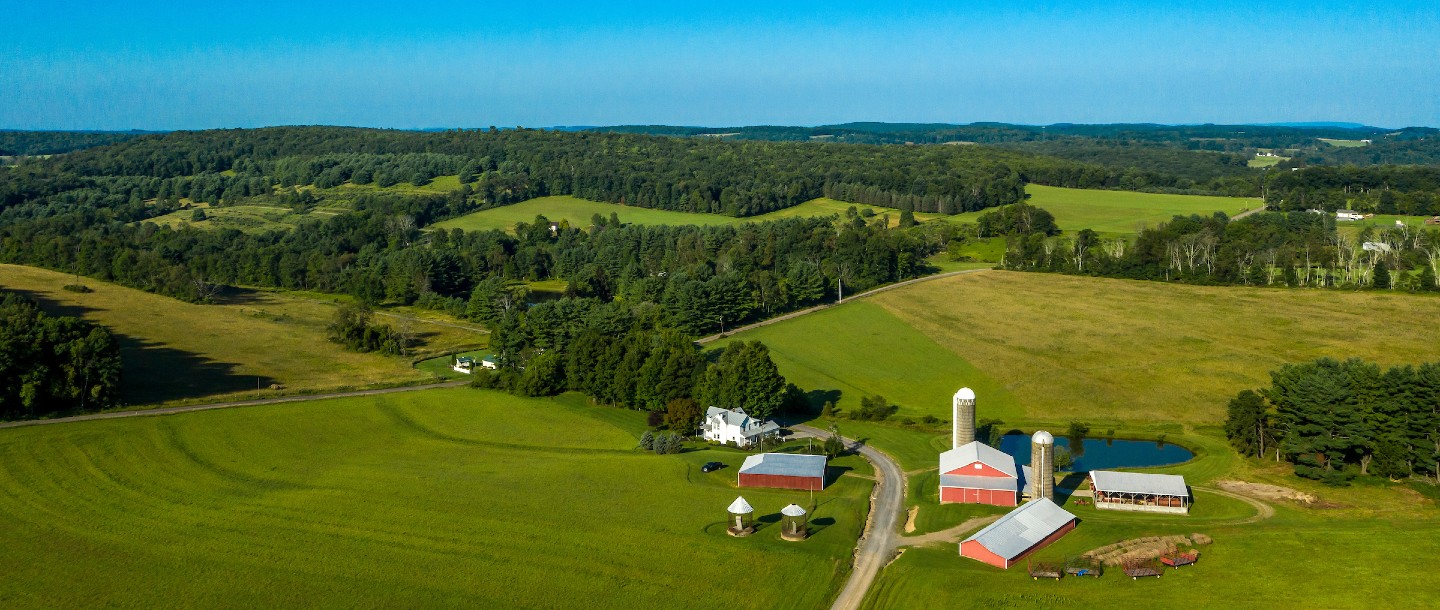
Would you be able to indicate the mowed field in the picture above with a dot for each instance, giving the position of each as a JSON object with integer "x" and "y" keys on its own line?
{"x": 1120, "y": 211}
{"x": 176, "y": 351}
{"x": 578, "y": 212}
{"x": 1049, "y": 347}
{"x": 455, "y": 498}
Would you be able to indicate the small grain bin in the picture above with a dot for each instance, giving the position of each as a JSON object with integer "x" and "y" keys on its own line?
{"x": 793, "y": 525}
{"x": 741, "y": 518}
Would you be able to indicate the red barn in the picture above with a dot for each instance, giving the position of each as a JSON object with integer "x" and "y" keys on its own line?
{"x": 784, "y": 471}
{"x": 976, "y": 473}
{"x": 1019, "y": 533}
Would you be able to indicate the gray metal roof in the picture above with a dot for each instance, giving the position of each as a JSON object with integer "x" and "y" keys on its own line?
{"x": 793, "y": 510}
{"x": 740, "y": 506}
{"x": 960, "y": 480}
{"x": 1110, "y": 481}
{"x": 1022, "y": 528}
{"x": 786, "y": 464}
{"x": 976, "y": 451}
{"x": 749, "y": 426}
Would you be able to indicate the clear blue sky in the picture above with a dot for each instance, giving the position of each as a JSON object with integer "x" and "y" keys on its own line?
{"x": 176, "y": 65}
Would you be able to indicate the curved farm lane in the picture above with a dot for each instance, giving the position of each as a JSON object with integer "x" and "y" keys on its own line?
{"x": 878, "y": 542}
{"x": 1263, "y": 511}
{"x": 796, "y": 314}
{"x": 229, "y": 405}
{"x": 948, "y": 535}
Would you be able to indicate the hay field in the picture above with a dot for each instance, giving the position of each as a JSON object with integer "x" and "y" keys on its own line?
{"x": 440, "y": 498}
{"x": 1120, "y": 211}
{"x": 174, "y": 351}
{"x": 578, "y": 211}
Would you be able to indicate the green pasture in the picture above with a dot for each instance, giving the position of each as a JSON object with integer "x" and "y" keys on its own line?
{"x": 1344, "y": 143}
{"x": 1120, "y": 211}
{"x": 173, "y": 351}
{"x": 1259, "y": 161}
{"x": 437, "y": 498}
{"x": 1383, "y": 221}
{"x": 250, "y": 218}
{"x": 578, "y": 212}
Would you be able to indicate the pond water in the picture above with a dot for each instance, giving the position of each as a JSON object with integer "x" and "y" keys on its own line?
{"x": 1100, "y": 454}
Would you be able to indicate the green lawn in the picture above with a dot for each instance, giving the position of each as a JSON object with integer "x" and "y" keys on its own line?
{"x": 172, "y": 351}
{"x": 438, "y": 498}
{"x": 1120, "y": 211}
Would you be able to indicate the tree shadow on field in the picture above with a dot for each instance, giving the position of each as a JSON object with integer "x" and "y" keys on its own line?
{"x": 152, "y": 373}
{"x": 230, "y": 295}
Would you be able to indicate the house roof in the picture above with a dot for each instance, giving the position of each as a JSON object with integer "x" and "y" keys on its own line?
{"x": 1110, "y": 481}
{"x": 793, "y": 510}
{"x": 1027, "y": 480}
{"x": 1022, "y": 528}
{"x": 969, "y": 482}
{"x": 464, "y": 359}
{"x": 740, "y": 506}
{"x": 785, "y": 464}
{"x": 976, "y": 451}
{"x": 748, "y": 426}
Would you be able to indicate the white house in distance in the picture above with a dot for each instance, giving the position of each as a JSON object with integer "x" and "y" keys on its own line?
{"x": 464, "y": 364}
{"x": 736, "y": 426}
{"x": 1348, "y": 215}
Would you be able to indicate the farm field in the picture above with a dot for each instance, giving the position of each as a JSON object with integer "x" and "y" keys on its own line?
{"x": 578, "y": 211}
{"x": 1383, "y": 221}
{"x": 1050, "y": 347}
{"x": 391, "y": 501}
{"x": 1344, "y": 143}
{"x": 175, "y": 351}
{"x": 1117, "y": 212}
{"x": 247, "y": 218}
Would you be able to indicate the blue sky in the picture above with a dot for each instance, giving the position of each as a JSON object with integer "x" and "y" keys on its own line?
{"x": 182, "y": 65}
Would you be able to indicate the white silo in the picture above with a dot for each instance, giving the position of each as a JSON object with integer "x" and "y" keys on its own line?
{"x": 962, "y": 426}
{"x": 1042, "y": 465}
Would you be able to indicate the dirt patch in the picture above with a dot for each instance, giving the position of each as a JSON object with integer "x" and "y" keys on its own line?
{"x": 910, "y": 521}
{"x": 1269, "y": 492}
{"x": 1127, "y": 552}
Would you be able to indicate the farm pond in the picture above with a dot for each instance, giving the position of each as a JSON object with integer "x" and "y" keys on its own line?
{"x": 1101, "y": 454}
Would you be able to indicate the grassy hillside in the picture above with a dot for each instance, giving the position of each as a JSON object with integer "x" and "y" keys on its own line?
{"x": 172, "y": 350}
{"x": 248, "y": 218}
{"x": 579, "y": 211}
{"x": 428, "y": 499}
{"x": 1040, "y": 346}
{"x": 1120, "y": 211}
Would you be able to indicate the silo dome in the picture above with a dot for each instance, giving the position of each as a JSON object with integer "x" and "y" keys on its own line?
{"x": 793, "y": 511}
{"x": 965, "y": 394}
{"x": 1042, "y": 437}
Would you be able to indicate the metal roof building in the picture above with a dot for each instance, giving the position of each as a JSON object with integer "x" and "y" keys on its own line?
{"x": 1020, "y": 532}
{"x": 976, "y": 473}
{"x": 1143, "y": 492}
{"x": 783, "y": 470}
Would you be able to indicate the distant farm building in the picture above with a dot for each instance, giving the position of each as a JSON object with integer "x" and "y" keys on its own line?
{"x": 464, "y": 364}
{"x": 1348, "y": 215}
{"x": 489, "y": 363}
{"x": 978, "y": 474}
{"x": 1134, "y": 491}
{"x": 784, "y": 471}
{"x": 736, "y": 426}
{"x": 1019, "y": 533}
{"x": 1375, "y": 246}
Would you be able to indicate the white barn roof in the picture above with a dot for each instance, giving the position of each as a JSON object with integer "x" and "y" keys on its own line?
{"x": 1022, "y": 528}
{"x": 785, "y": 464}
{"x": 976, "y": 451}
{"x": 1110, "y": 481}
{"x": 740, "y": 506}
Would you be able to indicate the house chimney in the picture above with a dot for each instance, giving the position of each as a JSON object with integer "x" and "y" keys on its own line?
{"x": 962, "y": 426}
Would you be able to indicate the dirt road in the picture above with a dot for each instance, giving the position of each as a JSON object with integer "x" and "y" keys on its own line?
{"x": 878, "y": 542}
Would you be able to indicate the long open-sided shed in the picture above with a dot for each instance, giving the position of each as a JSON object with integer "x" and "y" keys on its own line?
{"x": 1021, "y": 532}
{"x": 1142, "y": 492}
{"x": 784, "y": 471}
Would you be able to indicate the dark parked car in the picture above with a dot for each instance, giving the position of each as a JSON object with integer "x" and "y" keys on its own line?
{"x": 711, "y": 467}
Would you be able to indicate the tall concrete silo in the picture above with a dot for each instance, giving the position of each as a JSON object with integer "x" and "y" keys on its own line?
{"x": 1042, "y": 465}
{"x": 962, "y": 427}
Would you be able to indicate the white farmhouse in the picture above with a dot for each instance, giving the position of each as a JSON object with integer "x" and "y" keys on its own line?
{"x": 736, "y": 426}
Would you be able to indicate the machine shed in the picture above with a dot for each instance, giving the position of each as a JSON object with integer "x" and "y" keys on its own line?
{"x": 1021, "y": 532}
{"x": 784, "y": 471}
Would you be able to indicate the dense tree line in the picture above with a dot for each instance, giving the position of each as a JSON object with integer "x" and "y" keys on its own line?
{"x": 53, "y": 365}
{"x": 1297, "y": 249}
{"x": 1385, "y": 189}
{"x": 23, "y": 143}
{"x": 1334, "y": 420}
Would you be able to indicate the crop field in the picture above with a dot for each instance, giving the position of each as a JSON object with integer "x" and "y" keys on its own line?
{"x": 578, "y": 212}
{"x": 1117, "y": 212}
{"x": 176, "y": 351}
{"x": 436, "y": 498}
{"x": 1053, "y": 347}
